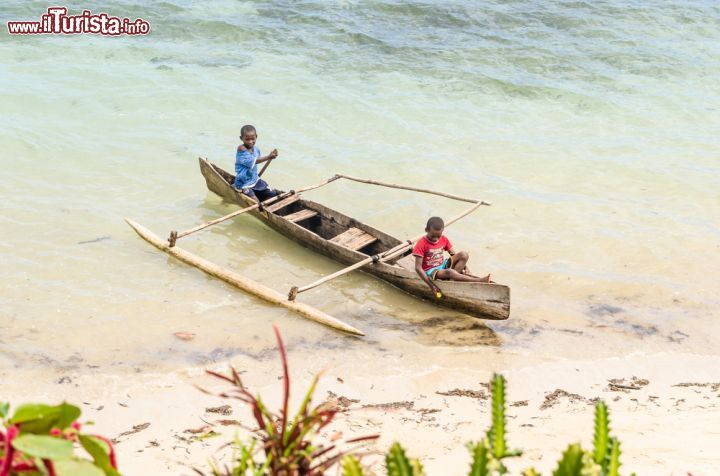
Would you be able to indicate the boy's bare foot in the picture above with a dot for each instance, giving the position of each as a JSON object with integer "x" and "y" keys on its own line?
{"x": 486, "y": 279}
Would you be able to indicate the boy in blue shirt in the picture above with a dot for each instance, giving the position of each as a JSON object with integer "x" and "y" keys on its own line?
{"x": 246, "y": 160}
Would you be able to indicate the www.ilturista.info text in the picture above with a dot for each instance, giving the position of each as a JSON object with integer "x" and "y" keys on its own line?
{"x": 57, "y": 22}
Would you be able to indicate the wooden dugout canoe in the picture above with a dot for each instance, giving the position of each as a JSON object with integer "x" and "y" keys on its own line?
{"x": 348, "y": 241}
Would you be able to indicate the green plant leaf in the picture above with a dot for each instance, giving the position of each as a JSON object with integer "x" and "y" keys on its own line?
{"x": 32, "y": 411}
{"x": 68, "y": 414}
{"x": 242, "y": 457}
{"x": 614, "y": 463}
{"x": 100, "y": 453}
{"x": 480, "y": 456}
{"x": 302, "y": 411}
{"x": 602, "y": 434}
{"x": 352, "y": 467}
{"x": 397, "y": 463}
{"x": 571, "y": 462}
{"x": 265, "y": 412}
{"x": 76, "y": 467}
{"x": 496, "y": 435}
{"x": 4, "y": 409}
{"x": 40, "y": 418}
{"x": 43, "y": 446}
{"x": 530, "y": 472}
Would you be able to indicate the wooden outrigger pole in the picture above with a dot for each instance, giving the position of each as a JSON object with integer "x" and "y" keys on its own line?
{"x": 175, "y": 235}
{"x": 248, "y": 285}
{"x": 397, "y": 250}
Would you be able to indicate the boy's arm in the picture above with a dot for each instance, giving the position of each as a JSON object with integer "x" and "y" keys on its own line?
{"x": 270, "y": 156}
{"x": 423, "y": 276}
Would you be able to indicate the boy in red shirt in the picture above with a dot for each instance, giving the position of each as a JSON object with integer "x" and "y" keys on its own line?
{"x": 430, "y": 262}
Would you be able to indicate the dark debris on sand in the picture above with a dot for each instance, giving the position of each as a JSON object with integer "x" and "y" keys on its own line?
{"x": 714, "y": 386}
{"x": 457, "y": 392}
{"x": 340, "y": 401}
{"x": 553, "y": 398}
{"x": 222, "y": 410}
{"x": 620, "y": 385}
{"x": 406, "y": 405}
{"x": 135, "y": 429}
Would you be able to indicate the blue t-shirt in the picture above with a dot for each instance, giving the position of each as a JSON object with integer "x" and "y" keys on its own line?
{"x": 246, "y": 173}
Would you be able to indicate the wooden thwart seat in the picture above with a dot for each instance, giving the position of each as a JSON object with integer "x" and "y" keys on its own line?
{"x": 354, "y": 238}
{"x": 283, "y": 203}
{"x": 301, "y": 215}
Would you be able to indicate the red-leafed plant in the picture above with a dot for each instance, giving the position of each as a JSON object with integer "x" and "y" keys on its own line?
{"x": 283, "y": 445}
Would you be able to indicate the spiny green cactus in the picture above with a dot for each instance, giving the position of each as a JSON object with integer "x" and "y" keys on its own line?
{"x": 571, "y": 462}
{"x": 398, "y": 464}
{"x": 352, "y": 467}
{"x": 601, "y": 440}
{"x": 480, "y": 458}
{"x": 614, "y": 463}
{"x": 604, "y": 460}
{"x": 496, "y": 433}
{"x": 489, "y": 453}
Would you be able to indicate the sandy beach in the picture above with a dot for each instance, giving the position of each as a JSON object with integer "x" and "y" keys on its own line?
{"x": 663, "y": 408}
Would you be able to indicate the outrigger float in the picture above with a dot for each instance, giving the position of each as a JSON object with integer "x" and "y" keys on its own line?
{"x": 341, "y": 238}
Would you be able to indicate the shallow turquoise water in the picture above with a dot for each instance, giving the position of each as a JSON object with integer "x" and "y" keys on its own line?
{"x": 592, "y": 127}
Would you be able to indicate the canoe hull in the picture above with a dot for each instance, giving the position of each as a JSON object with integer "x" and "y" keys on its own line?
{"x": 486, "y": 301}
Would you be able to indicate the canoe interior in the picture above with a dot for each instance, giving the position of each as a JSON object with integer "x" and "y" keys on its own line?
{"x": 327, "y": 224}
{"x": 323, "y": 230}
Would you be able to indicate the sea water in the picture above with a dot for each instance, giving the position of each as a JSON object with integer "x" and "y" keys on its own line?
{"x": 593, "y": 128}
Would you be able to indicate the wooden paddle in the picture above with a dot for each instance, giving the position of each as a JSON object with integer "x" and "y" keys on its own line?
{"x": 267, "y": 164}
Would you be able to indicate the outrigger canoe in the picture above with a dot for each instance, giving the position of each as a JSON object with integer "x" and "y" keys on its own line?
{"x": 349, "y": 241}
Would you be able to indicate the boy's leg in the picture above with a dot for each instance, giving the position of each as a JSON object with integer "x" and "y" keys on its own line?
{"x": 263, "y": 191}
{"x": 459, "y": 261}
{"x": 265, "y": 194}
{"x": 453, "y": 275}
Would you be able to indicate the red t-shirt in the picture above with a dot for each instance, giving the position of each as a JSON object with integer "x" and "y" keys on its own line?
{"x": 431, "y": 253}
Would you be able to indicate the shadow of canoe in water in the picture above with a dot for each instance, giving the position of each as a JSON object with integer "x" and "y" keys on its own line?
{"x": 456, "y": 330}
